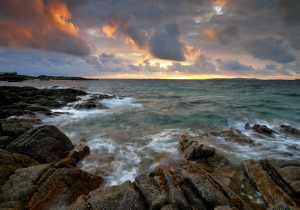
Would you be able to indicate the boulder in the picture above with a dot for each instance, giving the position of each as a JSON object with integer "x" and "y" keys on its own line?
{"x": 9, "y": 163}
{"x": 47, "y": 187}
{"x": 15, "y": 129}
{"x": 41, "y": 142}
{"x": 123, "y": 196}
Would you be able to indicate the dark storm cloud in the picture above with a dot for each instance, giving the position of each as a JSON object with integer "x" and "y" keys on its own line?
{"x": 166, "y": 44}
{"x": 33, "y": 24}
{"x": 233, "y": 65}
{"x": 120, "y": 25}
{"x": 269, "y": 48}
{"x": 70, "y": 3}
{"x": 291, "y": 10}
{"x": 106, "y": 55}
{"x": 271, "y": 66}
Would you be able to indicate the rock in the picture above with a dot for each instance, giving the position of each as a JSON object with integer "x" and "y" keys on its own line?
{"x": 286, "y": 154}
{"x": 223, "y": 208}
{"x": 79, "y": 152}
{"x": 146, "y": 187}
{"x": 15, "y": 129}
{"x": 41, "y": 142}
{"x": 123, "y": 196}
{"x": 263, "y": 129}
{"x": 43, "y": 186}
{"x": 9, "y": 163}
{"x": 280, "y": 206}
{"x": 4, "y": 141}
{"x": 98, "y": 172}
{"x": 286, "y": 173}
{"x": 12, "y": 205}
{"x": 290, "y": 129}
{"x": 271, "y": 193}
{"x": 90, "y": 105}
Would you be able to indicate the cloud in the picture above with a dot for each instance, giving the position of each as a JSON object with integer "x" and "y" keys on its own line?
{"x": 70, "y": 3}
{"x": 120, "y": 25}
{"x": 223, "y": 36}
{"x": 105, "y": 55}
{"x": 269, "y": 48}
{"x": 146, "y": 61}
{"x": 271, "y": 66}
{"x": 95, "y": 61}
{"x": 167, "y": 45}
{"x": 233, "y": 65}
{"x": 291, "y": 10}
{"x": 39, "y": 25}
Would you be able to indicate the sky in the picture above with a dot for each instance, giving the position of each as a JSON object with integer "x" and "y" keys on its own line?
{"x": 137, "y": 39}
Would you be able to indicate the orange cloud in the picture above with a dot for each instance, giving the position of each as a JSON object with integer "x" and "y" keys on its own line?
{"x": 211, "y": 33}
{"x": 33, "y": 24}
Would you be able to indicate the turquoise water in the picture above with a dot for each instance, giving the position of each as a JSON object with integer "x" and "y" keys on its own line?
{"x": 142, "y": 130}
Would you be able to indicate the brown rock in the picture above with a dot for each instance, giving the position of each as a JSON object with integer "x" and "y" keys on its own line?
{"x": 271, "y": 193}
{"x": 79, "y": 152}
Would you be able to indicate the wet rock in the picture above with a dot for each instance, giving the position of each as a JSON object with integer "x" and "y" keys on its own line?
{"x": 90, "y": 105}
{"x": 79, "y": 152}
{"x": 271, "y": 193}
{"x": 262, "y": 129}
{"x": 286, "y": 173}
{"x": 123, "y": 196}
{"x": 98, "y": 172}
{"x": 286, "y": 154}
{"x": 15, "y": 129}
{"x": 41, "y": 142}
{"x": 290, "y": 129}
{"x": 194, "y": 149}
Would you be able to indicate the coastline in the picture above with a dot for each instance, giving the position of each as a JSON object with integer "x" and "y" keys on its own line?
{"x": 175, "y": 189}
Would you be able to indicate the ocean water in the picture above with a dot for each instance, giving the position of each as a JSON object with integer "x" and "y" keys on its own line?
{"x": 142, "y": 131}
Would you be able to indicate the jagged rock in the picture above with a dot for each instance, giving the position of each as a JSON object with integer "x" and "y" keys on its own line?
{"x": 123, "y": 196}
{"x": 45, "y": 186}
{"x": 271, "y": 193}
{"x": 41, "y": 142}
{"x": 79, "y": 152}
{"x": 286, "y": 173}
{"x": 155, "y": 199}
{"x": 194, "y": 149}
{"x": 290, "y": 129}
{"x": 15, "y": 129}
{"x": 5, "y": 140}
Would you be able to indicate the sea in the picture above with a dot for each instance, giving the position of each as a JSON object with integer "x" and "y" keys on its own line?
{"x": 142, "y": 126}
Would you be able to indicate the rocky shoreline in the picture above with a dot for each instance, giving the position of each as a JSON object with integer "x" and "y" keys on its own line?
{"x": 38, "y": 166}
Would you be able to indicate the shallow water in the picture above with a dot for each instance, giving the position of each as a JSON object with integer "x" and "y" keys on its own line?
{"x": 142, "y": 131}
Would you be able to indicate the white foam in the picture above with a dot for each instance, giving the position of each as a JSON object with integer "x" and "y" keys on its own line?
{"x": 116, "y": 102}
